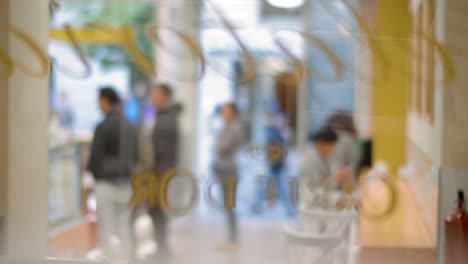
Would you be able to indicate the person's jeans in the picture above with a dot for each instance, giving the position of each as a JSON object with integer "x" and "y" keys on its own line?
{"x": 159, "y": 219}
{"x": 228, "y": 182}
{"x": 115, "y": 219}
{"x": 281, "y": 188}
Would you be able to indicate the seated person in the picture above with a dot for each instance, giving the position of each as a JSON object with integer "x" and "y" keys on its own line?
{"x": 346, "y": 157}
{"x": 315, "y": 166}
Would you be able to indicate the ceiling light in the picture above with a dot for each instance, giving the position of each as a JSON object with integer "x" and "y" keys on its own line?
{"x": 286, "y": 3}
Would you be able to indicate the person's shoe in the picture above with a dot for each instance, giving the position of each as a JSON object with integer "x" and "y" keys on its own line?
{"x": 230, "y": 246}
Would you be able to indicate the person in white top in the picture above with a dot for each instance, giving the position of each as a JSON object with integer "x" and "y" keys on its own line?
{"x": 315, "y": 167}
{"x": 346, "y": 157}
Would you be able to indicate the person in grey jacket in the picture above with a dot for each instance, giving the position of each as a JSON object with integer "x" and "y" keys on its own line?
{"x": 227, "y": 145}
{"x": 165, "y": 142}
{"x": 112, "y": 160}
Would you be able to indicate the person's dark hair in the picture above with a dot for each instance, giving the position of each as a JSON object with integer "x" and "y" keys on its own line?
{"x": 167, "y": 89}
{"x": 342, "y": 121}
{"x": 110, "y": 94}
{"x": 327, "y": 136}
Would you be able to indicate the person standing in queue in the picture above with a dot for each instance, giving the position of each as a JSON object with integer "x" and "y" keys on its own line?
{"x": 228, "y": 143}
{"x": 276, "y": 150}
{"x": 165, "y": 143}
{"x": 112, "y": 160}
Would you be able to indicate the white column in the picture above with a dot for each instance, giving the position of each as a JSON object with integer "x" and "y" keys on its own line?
{"x": 23, "y": 134}
{"x": 303, "y": 91}
{"x": 177, "y": 66}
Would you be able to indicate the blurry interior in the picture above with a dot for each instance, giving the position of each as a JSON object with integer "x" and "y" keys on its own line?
{"x": 393, "y": 103}
{"x": 273, "y": 88}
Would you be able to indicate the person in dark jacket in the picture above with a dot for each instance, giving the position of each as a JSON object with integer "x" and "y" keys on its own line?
{"x": 165, "y": 141}
{"x": 112, "y": 160}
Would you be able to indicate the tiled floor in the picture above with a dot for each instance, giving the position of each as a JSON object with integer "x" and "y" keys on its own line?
{"x": 401, "y": 238}
{"x": 196, "y": 241}
{"x": 262, "y": 241}
{"x": 397, "y": 256}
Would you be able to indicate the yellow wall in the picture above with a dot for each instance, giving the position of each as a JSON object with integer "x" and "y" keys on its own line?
{"x": 392, "y": 82}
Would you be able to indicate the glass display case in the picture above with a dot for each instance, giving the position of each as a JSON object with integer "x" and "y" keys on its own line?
{"x": 64, "y": 183}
